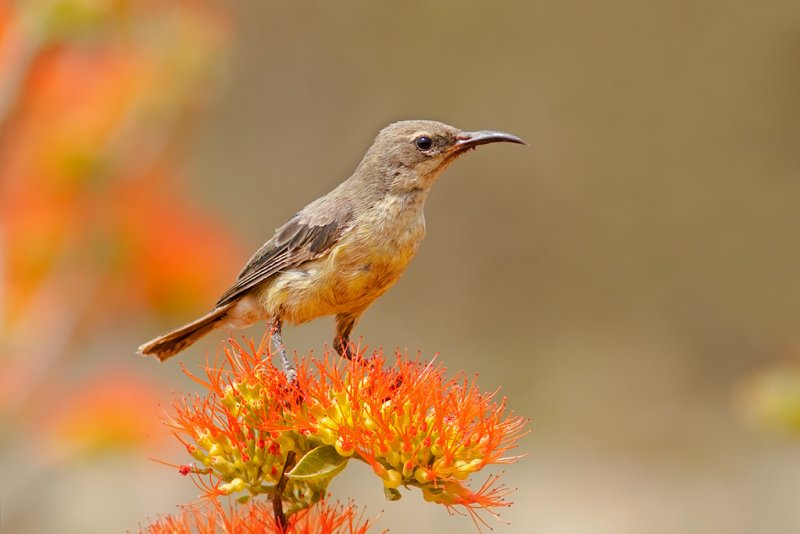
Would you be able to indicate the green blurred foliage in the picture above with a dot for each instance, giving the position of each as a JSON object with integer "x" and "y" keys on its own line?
{"x": 770, "y": 398}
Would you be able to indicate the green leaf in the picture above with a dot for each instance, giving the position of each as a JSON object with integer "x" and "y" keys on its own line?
{"x": 318, "y": 464}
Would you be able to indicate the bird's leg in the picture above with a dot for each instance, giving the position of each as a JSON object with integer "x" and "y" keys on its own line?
{"x": 277, "y": 340}
{"x": 344, "y": 325}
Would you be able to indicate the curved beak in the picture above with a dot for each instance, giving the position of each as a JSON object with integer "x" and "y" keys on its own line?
{"x": 467, "y": 140}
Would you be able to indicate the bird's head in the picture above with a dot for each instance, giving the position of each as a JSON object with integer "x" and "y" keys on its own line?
{"x": 410, "y": 155}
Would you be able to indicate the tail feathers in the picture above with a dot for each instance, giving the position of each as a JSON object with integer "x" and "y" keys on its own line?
{"x": 172, "y": 343}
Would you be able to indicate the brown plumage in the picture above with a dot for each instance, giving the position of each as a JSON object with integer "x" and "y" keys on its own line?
{"x": 345, "y": 249}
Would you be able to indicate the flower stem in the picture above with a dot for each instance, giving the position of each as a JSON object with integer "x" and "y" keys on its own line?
{"x": 277, "y": 499}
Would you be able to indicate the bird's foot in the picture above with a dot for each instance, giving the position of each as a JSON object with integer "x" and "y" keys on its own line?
{"x": 348, "y": 349}
{"x": 288, "y": 368}
{"x": 277, "y": 341}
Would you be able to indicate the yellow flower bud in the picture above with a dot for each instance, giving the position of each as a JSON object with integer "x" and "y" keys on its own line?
{"x": 392, "y": 479}
{"x": 421, "y": 475}
{"x": 235, "y": 485}
{"x": 343, "y": 447}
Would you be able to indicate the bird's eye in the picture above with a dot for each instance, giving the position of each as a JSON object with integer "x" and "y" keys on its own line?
{"x": 423, "y": 142}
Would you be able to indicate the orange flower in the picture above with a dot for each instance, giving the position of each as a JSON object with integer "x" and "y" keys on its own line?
{"x": 242, "y": 432}
{"x": 412, "y": 424}
{"x": 257, "y": 518}
{"x": 106, "y": 414}
{"x": 87, "y": 178}
{"x": 159, "y": 243}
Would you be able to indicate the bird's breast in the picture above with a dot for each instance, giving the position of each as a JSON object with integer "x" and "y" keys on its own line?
{"x": 378, "y": 249}
{"x": 367, "y": 261}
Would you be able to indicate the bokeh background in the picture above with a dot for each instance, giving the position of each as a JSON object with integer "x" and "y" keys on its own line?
{"x": 630, "y": 282}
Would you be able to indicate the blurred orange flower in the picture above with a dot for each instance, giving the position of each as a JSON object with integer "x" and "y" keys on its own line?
{"x": 112, "y": 411}
{"x": 97, "y": 99}
{"x": 87, "y": 177}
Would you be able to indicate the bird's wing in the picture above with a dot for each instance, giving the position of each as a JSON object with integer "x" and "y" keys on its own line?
{"x": 307, "y": 236}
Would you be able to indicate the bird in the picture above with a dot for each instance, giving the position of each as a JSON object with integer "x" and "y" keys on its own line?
{"x": 344, "y": 249}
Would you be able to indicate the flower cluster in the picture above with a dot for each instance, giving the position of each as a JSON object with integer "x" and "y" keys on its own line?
{"x": 255, "y": 432}
{"x": 414, "y": 426}
{"x": 241, "y": 431}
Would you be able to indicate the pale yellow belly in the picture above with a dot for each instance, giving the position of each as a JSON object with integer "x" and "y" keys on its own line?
{"x": 347, "y": 280}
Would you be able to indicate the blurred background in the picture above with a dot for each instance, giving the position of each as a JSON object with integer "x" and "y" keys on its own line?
{"x": 630, "y": 282}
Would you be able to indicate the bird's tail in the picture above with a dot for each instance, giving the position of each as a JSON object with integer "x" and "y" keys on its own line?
{"x": 173, "y": 342}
